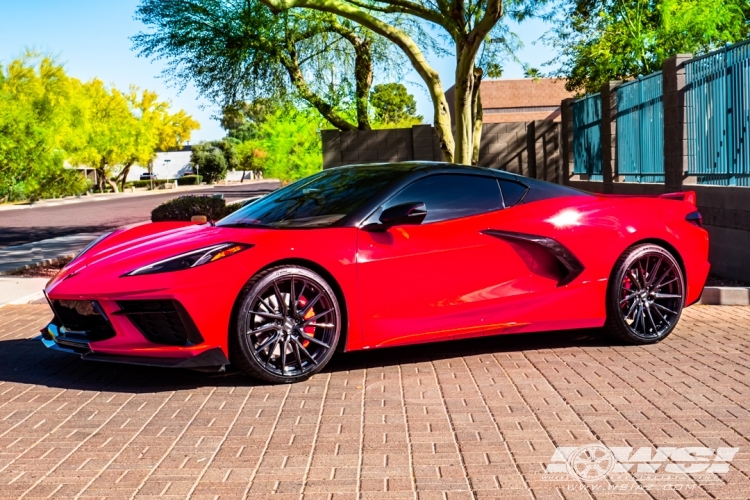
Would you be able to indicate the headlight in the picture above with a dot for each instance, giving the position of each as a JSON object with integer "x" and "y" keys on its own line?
{"x": 191, "y": 259}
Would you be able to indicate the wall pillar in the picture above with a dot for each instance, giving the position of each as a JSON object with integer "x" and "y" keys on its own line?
{"x": 566, "y": 139}
{"x": 609, "y": 134}
{"x": 331, "y": 148}
{"x": 675, "y": 121}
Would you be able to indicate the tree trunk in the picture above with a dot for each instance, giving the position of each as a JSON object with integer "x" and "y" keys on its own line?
{"x": 363, "y": 79}
{"x": 464, "y": 90}
{"x": 123, "y": 177}
{"x": 478, "y": 115}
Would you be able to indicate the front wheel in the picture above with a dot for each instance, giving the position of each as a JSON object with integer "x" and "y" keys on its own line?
{"x": 645, "y": 296}
{"x": 287, "y": 325}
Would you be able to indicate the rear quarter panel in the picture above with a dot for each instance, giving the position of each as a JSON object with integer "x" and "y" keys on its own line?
{"x": 598, "y": 230}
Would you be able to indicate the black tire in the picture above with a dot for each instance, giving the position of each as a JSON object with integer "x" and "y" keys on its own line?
{"x": 645, "y": 295}
{"x": 280, "y": 340}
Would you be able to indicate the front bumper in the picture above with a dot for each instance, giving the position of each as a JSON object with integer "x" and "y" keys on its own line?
{"x": 57, "y": 337}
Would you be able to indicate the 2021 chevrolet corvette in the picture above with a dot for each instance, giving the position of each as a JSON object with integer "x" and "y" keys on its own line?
{"x": 381, "y": 255}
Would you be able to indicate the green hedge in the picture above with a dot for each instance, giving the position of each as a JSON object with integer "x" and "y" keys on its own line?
{"x": 142, "y": 184}
{"x": 185, "y": 207}
{"x": 190, "y": 180}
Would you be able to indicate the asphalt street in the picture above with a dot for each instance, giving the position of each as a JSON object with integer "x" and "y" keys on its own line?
{"x": 41, "y": 222}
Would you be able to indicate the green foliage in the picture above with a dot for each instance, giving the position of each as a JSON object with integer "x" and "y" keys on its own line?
{"x": 211, "y": 160}
{"x": 185, "y": 207}
{"x": 237, "y": 51}
{"x": 287, "y": 146}
{"x": 604, "y": 40}
{"x": 393, "y": 104}
{"x": 243, "y": 119}
{"x": 35, "y": 117}
{"x": 190, "y": 180}
{"x": 48, "y": 118}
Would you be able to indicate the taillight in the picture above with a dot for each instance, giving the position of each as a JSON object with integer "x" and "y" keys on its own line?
{"x": 695, "y": 218}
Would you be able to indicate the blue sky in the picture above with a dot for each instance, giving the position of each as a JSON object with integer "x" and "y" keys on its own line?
{"x": 91, "y": 37}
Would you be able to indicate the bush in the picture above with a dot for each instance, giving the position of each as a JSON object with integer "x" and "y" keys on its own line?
{"x": 211, "y": 161}
{"x": 233, "y": 207}
{"x": 185, "y": 207}
{"x": 190, "y": 180}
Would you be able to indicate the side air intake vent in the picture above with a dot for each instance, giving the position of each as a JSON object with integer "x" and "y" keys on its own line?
{"x": 570, "y": 265}
{"x": 162, "y": 321}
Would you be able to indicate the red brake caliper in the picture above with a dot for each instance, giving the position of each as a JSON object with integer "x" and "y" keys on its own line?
{"x": 309, "y": 330}
{"x": 627, "y": 285}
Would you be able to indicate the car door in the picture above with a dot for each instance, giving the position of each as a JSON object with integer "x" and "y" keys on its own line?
{"x": 444, "y": 278}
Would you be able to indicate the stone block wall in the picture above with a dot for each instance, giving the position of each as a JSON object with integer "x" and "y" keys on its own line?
{"x": 527, "y": 148}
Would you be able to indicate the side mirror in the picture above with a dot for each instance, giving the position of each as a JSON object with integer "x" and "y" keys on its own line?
{"x": 412, "y": 213}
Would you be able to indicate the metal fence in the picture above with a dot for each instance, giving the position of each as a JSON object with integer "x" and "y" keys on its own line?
{"x": 587, "y": 136}
{"x": 640, "y": 129}
{"x": 718, "y": 115}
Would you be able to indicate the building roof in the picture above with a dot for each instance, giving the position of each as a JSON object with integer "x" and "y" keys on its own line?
{"x": 521, "y": 99}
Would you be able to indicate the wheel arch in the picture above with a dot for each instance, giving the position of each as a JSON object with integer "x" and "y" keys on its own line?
{"x": 313, "y": 266}
{"x": 669, "y": 248}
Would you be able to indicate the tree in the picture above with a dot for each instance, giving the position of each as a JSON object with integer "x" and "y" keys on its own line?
{"x": 287, "y": 145}
{"x": 105, "y": 136}
{"x": 236, "y": 51}
{"x": 393, "y": 104}
{"x": 35, "y": 116}
{"x": 213, "y": 159}
{"x": 250, "y": 156}
{"x": 468, "y": 25}
{"x": 154, "y": 129}
{"x": 242, "y": 120}
{"x": 117, "y": 130}
{"x": 603, "y": 40}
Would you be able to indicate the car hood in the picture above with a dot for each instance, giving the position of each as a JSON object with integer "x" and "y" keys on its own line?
{"x": 128, "y": 249}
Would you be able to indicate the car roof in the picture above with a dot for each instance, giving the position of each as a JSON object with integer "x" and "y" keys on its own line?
{"x": 433, "y": 167}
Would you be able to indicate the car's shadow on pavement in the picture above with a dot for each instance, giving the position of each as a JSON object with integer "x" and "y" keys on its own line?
{"x": 26, "y": 361}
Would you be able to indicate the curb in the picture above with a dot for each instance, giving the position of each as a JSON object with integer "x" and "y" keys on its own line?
{"x": 109, "y": 196}
{"x": 42, "y": 263}
{"x": 725, "y": 296}
{"x": 98, "y": 197}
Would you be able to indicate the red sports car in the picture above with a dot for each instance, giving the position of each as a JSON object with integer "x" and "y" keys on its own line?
{"x": 372, "y": 256}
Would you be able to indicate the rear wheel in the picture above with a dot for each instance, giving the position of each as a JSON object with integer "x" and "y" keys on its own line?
{"x": 645, "y": 296}
{"x": 287, "y": 325}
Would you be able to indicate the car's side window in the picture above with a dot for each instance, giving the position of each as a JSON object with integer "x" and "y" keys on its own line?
{"x": 513, "y": 192}
{"x": 450, "y": 196}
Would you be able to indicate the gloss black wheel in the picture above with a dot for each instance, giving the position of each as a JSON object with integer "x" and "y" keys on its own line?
{"x": 645, "y": 296}
{"x": 287, "y": 326}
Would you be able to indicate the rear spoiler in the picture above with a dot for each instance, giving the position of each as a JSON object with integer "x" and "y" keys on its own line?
{"x": 687, "y": 196}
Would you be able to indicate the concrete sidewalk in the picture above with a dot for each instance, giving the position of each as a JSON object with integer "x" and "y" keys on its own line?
{"x": 40, "y": 252}
{"x": 16, "y": 290}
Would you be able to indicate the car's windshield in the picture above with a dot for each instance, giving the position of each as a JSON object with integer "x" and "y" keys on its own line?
{"x": 317, "y": 201}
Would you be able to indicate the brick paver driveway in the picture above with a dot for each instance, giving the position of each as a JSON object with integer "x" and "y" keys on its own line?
{"x": 477, "y": 418}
